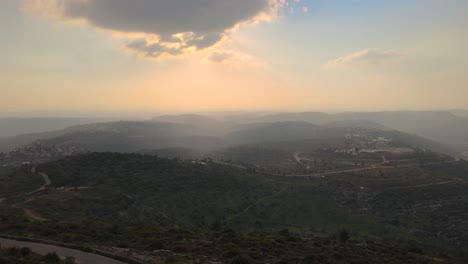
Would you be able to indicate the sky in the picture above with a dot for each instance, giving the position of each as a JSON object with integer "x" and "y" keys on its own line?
{"x": 115, "y": 56}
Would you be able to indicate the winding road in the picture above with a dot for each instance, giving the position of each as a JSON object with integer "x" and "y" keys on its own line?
{"x": 47, "y": 182}
{"x": 313, "y": 175}
{"x": 81, "y": 257}
{"x": 44, "y": 176}
{"x": 298, "y": 159}
{"x": 27, "y": 212}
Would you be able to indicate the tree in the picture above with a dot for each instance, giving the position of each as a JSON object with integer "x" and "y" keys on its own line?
{"x": 241, "y": 259}
{"x": 25, "y": 251}
{"x": 70, "y": 260}
{"x": 216, "y": 225}
{"x": 14, "y": 251}
{"x": 284, "y": 232}
{"x": 52, "y": 258}
{"x": 311, "y": 259}
{"x": 343, "y": 236}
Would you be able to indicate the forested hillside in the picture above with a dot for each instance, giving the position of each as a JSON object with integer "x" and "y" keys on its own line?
{"x": 122, "y": 197}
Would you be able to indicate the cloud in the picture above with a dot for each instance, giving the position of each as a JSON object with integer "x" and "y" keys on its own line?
{"x": 220, "y": 56}
{"x": 369, "y": 56}
{"x": 163, "y": 27}
{"x": 234, "y": 60}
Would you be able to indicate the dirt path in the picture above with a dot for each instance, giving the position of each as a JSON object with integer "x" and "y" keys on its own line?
{"x": 33, "y": 215}
{"x": 29, "y": 213}
{"x": 423, "y": 185}
{"x": 254, "y": 204}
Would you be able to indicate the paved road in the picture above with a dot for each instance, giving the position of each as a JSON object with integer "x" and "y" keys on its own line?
{"x": 43, "y": 249}
{"x": 44, "y": 176}
{"x": 385, "y": 160}
{"x": 313, "y": 175}
{"x": 298, "y": 158}
{"x": 230, "y": 164}
{"x": 323, "y": 174}
{"x": 47, "y": 182}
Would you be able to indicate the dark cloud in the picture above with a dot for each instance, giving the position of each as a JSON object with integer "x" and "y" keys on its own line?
{"x": 151, "y": 50}
{"x": 202, "y": 22}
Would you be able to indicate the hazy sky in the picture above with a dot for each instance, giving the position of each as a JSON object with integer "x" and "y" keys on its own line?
{"x": 202, "y": 55}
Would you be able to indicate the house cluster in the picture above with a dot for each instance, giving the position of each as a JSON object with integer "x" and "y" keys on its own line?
{"x": 358, "y": 143}
{"x": 381, "y": 142}
{"x": 38, "y": 152}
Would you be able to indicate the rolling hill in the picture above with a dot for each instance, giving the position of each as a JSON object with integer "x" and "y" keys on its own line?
{"x": 10, "y": 127}
{"x": 199, "y": 140}
{"x": 128, "y": 136}
{"x": 443, "y": 127}
{"x": 124, "y": 197}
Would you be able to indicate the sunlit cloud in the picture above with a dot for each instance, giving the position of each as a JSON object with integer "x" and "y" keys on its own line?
{"x": 368, "y": 56}
{"x": 158, "y": 28}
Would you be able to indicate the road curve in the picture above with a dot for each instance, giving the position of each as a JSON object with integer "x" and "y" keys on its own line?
{"x": 47, "y": 182}
{"x": 43, "y": 249}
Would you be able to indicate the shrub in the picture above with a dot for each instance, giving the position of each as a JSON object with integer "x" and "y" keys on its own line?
{"x": 52, "y": 258}
{"x": 241, "y": 259}
{"x": 156, "y": 244}
{"x": 309, "y": 259}
{"x": 284, "y": 232}
{"x": 25, "y": 251}
{"x": 14, "y": 251}
{"x": 343, "y": 236}
{"x": 70, "y": 260}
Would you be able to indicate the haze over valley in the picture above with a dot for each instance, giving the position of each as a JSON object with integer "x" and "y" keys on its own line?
{"x": 237, "y": 132}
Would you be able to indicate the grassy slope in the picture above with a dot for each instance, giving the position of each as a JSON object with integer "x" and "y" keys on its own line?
{"x": 19, "y": 182}
{"x": 131, "y": 194}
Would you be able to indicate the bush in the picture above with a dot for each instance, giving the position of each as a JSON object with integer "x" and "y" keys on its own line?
{"x": 70, "y": 260}
{"x": 241, "y": 259}
{"x": 25, "y": 251}
{"x": 309, "y": 259}
{"x": 156, "y": 244}
{"x": 343, "y": 236}
{"x": 284, "y": 232}
{"x": 14, "y": 252}
{"x": 52, "y": 258}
